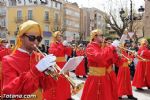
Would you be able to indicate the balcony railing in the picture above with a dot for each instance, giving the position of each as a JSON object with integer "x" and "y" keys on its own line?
{"x": 2, "y": 26}
{"x": 2, "y": 3}
{"x": 46, "y": 20}
{"x": 19, "y": 20}
{"x": 2, "y": 14}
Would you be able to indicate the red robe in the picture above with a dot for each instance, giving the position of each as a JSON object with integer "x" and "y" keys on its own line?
{"x": 63, "y": 86}
{"x": 3, "y": 52}
{"x": 20, "y": 76}
{"x": 123, "y": 77}
{"x": 142, "y": 73}
{"x": 80, "y": 70}
{"x": 112, "y": 75}
{"x": 97, "y": 87}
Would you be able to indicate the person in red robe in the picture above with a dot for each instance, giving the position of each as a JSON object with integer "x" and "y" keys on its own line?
{"x": 98, "y": 84}
{"x": 80, "y": 70}
{"x": 111, "y": 73}
{"x": 142, "y": 73}
{"x": 60, "y": 50}
{"x": 123, "y": 77}
{"x": 23, "y": 71}
{"x": 3, "y": 52}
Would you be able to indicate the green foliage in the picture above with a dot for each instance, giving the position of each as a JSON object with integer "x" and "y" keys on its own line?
{"x": 148, "y": 39}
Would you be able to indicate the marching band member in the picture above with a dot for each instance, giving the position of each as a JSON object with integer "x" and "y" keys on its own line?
{"x": 3, "y": 52}
{"x": 60, "y": 49}
{"x": 80, "y": 70}
{"x": 123, "y": 77}
{"x": 98, "y": 84}
{"x": 142, "y": 73}
{"x": 110, "y": 71}
{"x": 22, "y": 71}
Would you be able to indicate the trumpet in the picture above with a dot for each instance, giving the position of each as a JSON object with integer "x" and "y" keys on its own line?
{"x": 135, "y": 53}
{"x": 54, "y": 74}
{"x": 131, "y": 51}
{"x": 129, "y": 60}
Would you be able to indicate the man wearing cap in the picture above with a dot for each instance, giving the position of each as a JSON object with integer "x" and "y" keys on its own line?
{"x": 22, "y": 71}
{"x": 142, "y": 72}
{"x": 98, "y": 84}
{"x": 60, "y": 49}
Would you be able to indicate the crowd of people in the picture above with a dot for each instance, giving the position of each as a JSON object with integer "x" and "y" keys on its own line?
{"x": 108, "y": 66}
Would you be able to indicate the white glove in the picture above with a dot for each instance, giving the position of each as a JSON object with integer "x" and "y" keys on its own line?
{"x": 8, "y": 45}
{"x": 65, "y": 43}
{"x": 142, "y": 53}
{"x": 46, "y": 62}
{"x": 116, "y": 43}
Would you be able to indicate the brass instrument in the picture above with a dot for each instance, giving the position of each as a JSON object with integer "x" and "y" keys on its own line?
{"x": 131, "y": 51}
{"x": 54, "y": 74}
{"x": 129, "y": 60}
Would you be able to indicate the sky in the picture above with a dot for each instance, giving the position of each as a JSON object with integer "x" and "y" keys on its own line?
{"x": 105, "y": 4}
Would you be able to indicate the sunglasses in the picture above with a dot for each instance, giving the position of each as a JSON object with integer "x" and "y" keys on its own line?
{"x": 32, "y": 38}
{"x": 100, "y": 35}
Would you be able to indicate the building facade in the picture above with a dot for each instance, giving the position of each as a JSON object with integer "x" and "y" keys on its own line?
{"x": 92, "y": 18}
{"x": 147, "y": 19}
{"x": 71, "y": 21}
{"x": 3, "y": 28}
{"x": 46, "y": 12}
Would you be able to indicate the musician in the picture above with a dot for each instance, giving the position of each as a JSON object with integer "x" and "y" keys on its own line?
{"x": 98, "y": 84}
{"x": 60, "y": 49}
{"x": 80, "y": 70}
{"x": 111, "y": 73}
{"x": 22, "y": 71}
{"x": 123, "y": 77}
{"x": 142, "y": 72}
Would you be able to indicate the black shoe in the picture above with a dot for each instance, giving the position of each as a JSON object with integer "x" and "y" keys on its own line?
{"x": 120, "y": 97}
{"x": 140, "y": 89}
{"x": 84, "y": 76}
{"x": 77, "y": 76}
{"x": 132, "y": 97}
{"x": 70, "y": 99}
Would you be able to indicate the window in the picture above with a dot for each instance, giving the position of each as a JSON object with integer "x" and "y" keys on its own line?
{"x": 19, "y": 1}
{"x": 46, "y": 15}
{"x": 56, "y": 4}
{"x": 3, "y": 22}
{"x": 46, "y": 28}
{"x": 56, "y": 18}
{"x": 30, "y": 15}
{"x": 12, "y": 3}
{"x": 46, "y": 42}
{"x": 19, "y": 14}
{"x": 30, "y": 1}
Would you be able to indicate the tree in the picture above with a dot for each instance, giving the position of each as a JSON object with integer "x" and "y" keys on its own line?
{"x": 113, "y": 23}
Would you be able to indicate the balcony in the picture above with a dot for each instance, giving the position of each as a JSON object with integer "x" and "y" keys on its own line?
{"x": 2, "y": 3}
{"x": 2, "y": 14}
{"x": 19, "y": 20}
{"x": 46, "y": 20}
{"x": 29, "y": 18}
{"x": 2, "y": 27}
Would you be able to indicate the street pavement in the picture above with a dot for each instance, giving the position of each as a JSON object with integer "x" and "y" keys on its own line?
{"x": 141, "y": 95}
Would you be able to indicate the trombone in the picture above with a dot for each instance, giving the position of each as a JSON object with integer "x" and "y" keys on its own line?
{"x": 54, "y": 74}
{"x": 143, "y": 59}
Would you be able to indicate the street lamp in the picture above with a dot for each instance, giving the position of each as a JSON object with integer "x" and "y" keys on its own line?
{"x": 141, "y": 11}
{"x": 129, "y": 20}
{"x": 74, "y": 38}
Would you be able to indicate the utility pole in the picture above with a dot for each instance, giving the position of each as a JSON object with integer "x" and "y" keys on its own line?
{"x": 131, "y": 17}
